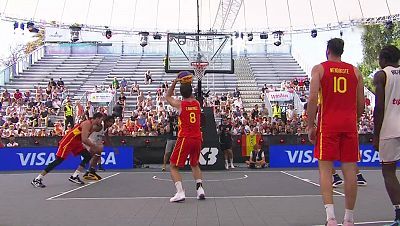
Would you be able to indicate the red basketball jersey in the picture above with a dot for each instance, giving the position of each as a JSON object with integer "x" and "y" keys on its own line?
{"x": 189, "y": 119}
{"x": 338, "y": 98}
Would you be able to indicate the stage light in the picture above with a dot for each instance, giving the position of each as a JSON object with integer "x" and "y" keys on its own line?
{"x": 123, "y": 141}
{"x": 75, "y": 32}
{"x": 250, "y": 37}
{"x": 370, "y": 140}
{"x": 16, "y": 25}
{"x": 264, "y": 35}
{"x": 182, "y": 40}
{"x": 157, "y": 36}
{"x": 281, "y": 141}
{"x": 389, "y": 24}
{"x": 278, "y": 37}
{"x": 238, "y": 141}
{"x": 147, "y": 142}
{"x": 314, "y": 33}
{"x": 303, "y": 141}
{"x": 36, "y": 142}
{"x": 144, "y": 37}
{"x": 108, "y": 34}
{"x": 261, "y": 141}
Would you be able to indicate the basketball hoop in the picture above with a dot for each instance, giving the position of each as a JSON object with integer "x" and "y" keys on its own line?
{"x": 199, "y": 68}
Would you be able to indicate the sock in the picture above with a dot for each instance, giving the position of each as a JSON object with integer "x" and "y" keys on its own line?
{"x": 199, "y": 183}
{"x": 232, "y": 161}
{"x": 76, "y": 173}
{"x": 348, "y": 215}
{"x": 226, "y": 161}
{"x": 178, "y": 186}
{"x": 40, "y": 176}
{"x": 330, "y": 212}
{"x": 397, "y": 211}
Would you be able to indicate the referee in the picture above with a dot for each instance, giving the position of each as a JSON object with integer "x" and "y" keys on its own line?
{"x": 225, "y": 140}
{"x": 172, "y": 132}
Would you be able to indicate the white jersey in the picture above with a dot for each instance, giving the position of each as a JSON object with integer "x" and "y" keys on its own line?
{"x": 96, "y": 137}
{"x": 391, "y": 123}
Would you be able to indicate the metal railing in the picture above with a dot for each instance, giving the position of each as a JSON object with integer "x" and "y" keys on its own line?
{"x": 14, "y": 70}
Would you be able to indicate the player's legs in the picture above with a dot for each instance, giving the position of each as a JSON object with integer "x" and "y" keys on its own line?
{"x": 38, "y": 181}
{"x": 167, "y": 153}
{"x": 178, "y": 158}
{"x": 195, "y": 148}
{"x": 226, "y": 156}
{"x": 229, "y": 154}
{"x": 349, "y": 156}
{"x": 392, "y": 185}
{"x": 326, "y": 151}
{"x": 389, "y": 153}
{"x": 74, "y": 178}
{"x": 94, "y": 161}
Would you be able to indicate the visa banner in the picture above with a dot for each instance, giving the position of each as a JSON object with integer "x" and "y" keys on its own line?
{"x": 37, "y": 158}
{"x": 282, "y": 156}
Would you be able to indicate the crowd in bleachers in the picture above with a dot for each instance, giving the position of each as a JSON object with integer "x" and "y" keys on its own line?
{"x": 33, "y": 113}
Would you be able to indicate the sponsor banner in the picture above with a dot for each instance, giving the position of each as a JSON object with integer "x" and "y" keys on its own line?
{"x": 281, "y": 156}
{"x": 53, "y": 34}
{"x": 100, "y": 97}
{"x": 280, "y": 96}
{"x": 37, "y": 158}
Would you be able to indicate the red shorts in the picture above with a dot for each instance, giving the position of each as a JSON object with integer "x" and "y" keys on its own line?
{"x": 332, "y": 146}
{"x": 183, "y": 148}
{"x": 65, "y": 147}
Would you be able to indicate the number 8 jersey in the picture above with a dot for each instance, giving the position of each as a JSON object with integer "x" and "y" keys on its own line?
{"x": 189, "y": 119}
{"x": 338, "y": 98}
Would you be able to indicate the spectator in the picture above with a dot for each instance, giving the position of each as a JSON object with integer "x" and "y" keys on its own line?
{"x": 95, "y": 89}
{"x": 14, "y": 119}
{"x": 44, "y": 116}
{"x": 134, "y": 88}
{"x": 236, "y": 93}
{"x": 291, "y": 113}
{"x": 276, "y": 111}
{"x": 79, "y": 111}
{"x": 257, "y": 158}
{"x": 68, "y": 115}
{"x": 255, "y": 112}
{"x": 90, "y": 110}
{"x": 118, "y": 109}
{"x": 6, "y": 97}
{"x": 11, "y": 142}
{"x": 122, "y": 99}
{"x": 307, "y": 83}
{"x": 147, "y": 77}
{"x": 124, "y": 84}
{"x": 60, "y": 84}
{"x": 115, "y": 84}
{"x": 52, "y": 84}
{"x": 17, "y": 96}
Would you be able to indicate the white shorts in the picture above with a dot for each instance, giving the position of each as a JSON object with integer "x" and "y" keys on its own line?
{"x": 170, "y": 146}
{"x": 389, "y": 150}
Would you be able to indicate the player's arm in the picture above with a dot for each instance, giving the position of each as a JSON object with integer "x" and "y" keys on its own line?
{"x": 172, "y": 101}
{"x": 360, "y": 93}
{"x": 379, "y": 110}
{"x": 312, "y": 105}
{"x": 86, "y": 130}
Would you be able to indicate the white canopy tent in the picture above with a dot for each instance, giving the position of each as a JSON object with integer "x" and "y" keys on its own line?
{"x": 180, "y": 15}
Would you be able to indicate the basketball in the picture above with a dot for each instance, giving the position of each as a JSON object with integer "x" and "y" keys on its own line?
{"x": 185, "y": 77}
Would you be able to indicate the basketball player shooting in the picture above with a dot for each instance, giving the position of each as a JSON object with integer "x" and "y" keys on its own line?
{"x": 189, "y": 139}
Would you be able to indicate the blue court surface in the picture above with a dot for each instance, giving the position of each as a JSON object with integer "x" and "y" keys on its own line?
{"x": 141, "y": 197}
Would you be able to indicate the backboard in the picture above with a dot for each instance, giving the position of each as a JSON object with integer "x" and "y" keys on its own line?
{"x": 185, "y": 48}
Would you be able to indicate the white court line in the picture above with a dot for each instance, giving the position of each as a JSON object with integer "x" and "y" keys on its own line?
{"x": 367, "y": 222}
{"x": 215, "y": 180}
{"x": 84, "y": 186}
{"x": 208, "y": 172}
{"x": 309, "y": 181}
{"x": 216, "y": 197}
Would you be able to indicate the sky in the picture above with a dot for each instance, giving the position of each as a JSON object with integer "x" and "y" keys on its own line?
{"x": 180, "y": 15}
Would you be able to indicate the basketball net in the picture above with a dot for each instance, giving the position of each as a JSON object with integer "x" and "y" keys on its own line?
{"x": 199, "y": 68}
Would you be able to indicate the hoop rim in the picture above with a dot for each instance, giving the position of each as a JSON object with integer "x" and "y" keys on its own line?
{"x": 199, "y": 64}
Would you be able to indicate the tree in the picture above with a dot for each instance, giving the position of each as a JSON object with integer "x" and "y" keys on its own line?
{"x": 373, "y": 39}
{"x": 16, "y": 53}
